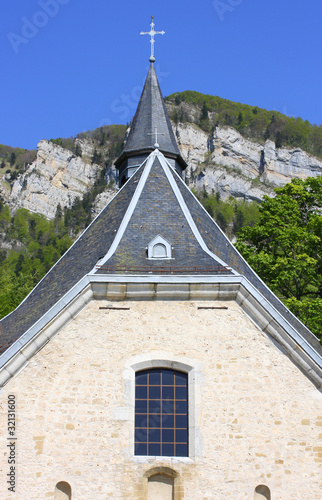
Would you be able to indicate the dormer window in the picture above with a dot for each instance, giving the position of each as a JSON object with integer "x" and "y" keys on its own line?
{"x": 159, "y": 248}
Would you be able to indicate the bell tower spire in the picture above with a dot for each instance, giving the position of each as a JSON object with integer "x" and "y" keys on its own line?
{"x": 150, "y": 127}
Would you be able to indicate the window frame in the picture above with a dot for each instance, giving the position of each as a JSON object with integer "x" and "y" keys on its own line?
{"x": 161, "y": 412}
{"x": 159, "y": 240}
{"x": 160, "y": 359}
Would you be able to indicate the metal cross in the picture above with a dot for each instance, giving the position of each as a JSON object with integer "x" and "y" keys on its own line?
{"x": 156, "y": 133}
{"x": 152, "y": 33}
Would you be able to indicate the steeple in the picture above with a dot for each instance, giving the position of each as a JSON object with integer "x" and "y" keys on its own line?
{"x": 150, "y": 128}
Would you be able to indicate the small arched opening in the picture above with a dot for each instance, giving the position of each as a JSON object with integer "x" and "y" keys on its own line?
{"x": 163, "y": 484}
{"x": 63, "y": 491}
{"x": 159, "y": 248}
{"x": 262, "y": 492}
{"x": 159, "y": 251}
{"x": 160, "y": 487}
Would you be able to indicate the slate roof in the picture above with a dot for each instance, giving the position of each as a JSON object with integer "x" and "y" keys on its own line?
{"x": 155, "y": 201}
{"x": 71, "y": 268}
{"x": 151, "y": 114}
{"x": 158, "y": 212}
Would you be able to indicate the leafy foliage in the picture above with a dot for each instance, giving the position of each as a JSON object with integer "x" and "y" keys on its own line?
{"x": 16, "y": 158}
{"x": 36, "y": 245}
{"x": 230, "y": 215}
{"x": 250, "y": 121}
{"x": 285, "y": 248}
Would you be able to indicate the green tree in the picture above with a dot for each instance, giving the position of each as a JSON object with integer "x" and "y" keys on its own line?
{"x": 204, "y": 119}
{"x": 13, "y": 158}
{"x": 78, "y": 150}
{"x": 285, "y": 247}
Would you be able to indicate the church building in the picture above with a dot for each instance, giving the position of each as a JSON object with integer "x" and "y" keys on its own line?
{"x": 151, "y": 362}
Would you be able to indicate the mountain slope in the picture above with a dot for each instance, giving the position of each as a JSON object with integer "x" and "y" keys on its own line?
{"x": 231, "y": 149}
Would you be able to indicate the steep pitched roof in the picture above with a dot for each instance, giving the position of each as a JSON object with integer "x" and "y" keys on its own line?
{"x": 151, "y": 116}
{"x": 153, "y": 206}
{"x": 158, "y": 208}
{"x": 118, "y": 237}
{"x": 154, "y": 203}
{"x": 66, "y": 273}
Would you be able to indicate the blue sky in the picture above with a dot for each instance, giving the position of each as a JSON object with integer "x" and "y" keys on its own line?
{"x": 75, "y": 65}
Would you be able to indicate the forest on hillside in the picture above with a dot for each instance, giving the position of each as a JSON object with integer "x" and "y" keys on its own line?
{"x": 251, "y": 121}
{"x": 281, "y": 240}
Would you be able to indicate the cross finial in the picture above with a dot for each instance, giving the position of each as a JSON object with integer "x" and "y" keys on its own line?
{"x": 156, "y": 133}
{"x": 152, "y": 32}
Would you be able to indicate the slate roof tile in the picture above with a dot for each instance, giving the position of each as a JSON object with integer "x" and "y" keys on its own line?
{"x": 219, "y": 244}
{"x": 73, "y": 266}
{"x": 151, "y": 114}
{"x": 158, "y": 212}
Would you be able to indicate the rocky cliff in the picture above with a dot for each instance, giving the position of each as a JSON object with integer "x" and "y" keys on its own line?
{"x": 224, "y": 162}
{"x": 57, "y": 176}
{"x": 228, "y": 163}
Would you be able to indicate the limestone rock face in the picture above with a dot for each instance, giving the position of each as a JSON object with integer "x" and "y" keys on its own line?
{"x": 56, "y": 176}
{"x": 223, "y": 162}
{"x": 102, "y": 200}
{"x": 227, "y": 162}
{"x": 281, "y": 164}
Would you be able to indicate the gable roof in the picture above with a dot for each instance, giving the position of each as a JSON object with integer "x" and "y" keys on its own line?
{"x": 113, "y": 249}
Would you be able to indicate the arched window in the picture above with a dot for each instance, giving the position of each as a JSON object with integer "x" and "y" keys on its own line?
{"x": 159, "y": 251}
{"x": 161, "y": 413}
{"x": 262, "y": 492}
{"x": 159, "y": 248}
{"x": 63, "y": 491}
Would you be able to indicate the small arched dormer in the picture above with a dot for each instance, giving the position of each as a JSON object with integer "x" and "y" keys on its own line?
{"x": 159, "y": 249}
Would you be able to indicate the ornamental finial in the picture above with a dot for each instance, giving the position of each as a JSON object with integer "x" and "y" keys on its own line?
{"x": 152, "y": 32}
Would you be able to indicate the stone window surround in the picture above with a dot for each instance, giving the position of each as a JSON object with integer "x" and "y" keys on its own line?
{"x": 166, "y": 360}
{"x": 156, "y": 384}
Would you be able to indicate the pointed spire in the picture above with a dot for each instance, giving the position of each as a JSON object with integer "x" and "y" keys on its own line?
{"x": 151, "y": 115}
{"x": 151, "y": 128}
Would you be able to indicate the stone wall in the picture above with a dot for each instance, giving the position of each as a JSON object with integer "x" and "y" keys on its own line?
{"x": 257, "y": 418}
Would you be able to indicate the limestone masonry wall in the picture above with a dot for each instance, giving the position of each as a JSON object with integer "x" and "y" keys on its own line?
{"x": 256, "y": 418}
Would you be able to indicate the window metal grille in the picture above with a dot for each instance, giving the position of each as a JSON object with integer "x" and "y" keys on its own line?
{"x": 161, "y": 413}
